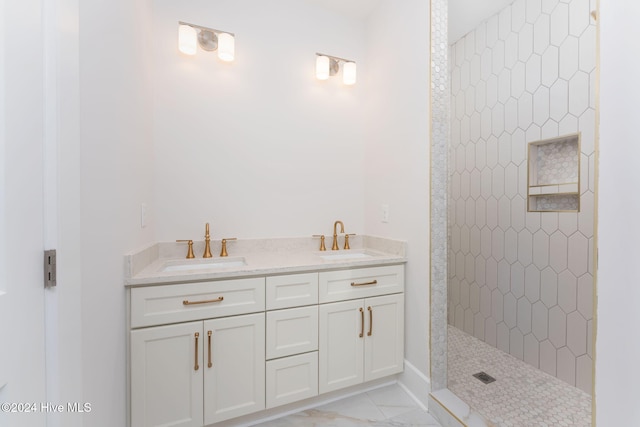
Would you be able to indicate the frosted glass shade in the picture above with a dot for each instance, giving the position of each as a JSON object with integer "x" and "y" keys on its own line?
{"x": 322, "y": 67}
{"x": 349, "y": 73}
{"x": 226, "y": 47}
{"x": 187, "y": 39}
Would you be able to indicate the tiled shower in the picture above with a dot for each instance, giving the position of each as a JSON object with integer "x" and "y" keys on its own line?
{"x": 523, "y": 281}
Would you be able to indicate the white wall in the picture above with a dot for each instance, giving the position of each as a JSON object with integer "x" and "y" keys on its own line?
{"x": 116, "y": 177}
{"x": 617, "y": 346}
{"x": 257, "y": 147}
{"x": 397, "y": 152}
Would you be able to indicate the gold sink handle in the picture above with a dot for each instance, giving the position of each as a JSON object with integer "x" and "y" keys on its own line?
{"x": 223, "y": 250}
{"x": 322, "y": 246}
{"x": 346, "y": 240}
{"x": 190, "y": 250}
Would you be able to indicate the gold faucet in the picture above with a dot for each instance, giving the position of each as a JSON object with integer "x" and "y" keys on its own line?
{"x": 335, "y": 247}
{"x": 207, "y": 243}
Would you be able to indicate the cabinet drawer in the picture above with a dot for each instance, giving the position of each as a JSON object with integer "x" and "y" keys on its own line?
{"x": 154, "y": 305}
{"x": 291, "y": 379}
{"x": 292, "y": 291}
{"x": 360, "y": 283}
{"x": 292, "y": 331}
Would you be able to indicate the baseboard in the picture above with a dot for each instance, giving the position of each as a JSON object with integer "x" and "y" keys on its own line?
{"x": 416, "y": 384}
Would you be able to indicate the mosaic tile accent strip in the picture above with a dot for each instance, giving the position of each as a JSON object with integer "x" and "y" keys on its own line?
{"x": 439, "y": 178}
{"x": 523, "y": 281}
{"x": 520, "y": 396}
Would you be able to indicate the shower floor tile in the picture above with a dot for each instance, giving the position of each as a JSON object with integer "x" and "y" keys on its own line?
{"x": 521, "y": 396}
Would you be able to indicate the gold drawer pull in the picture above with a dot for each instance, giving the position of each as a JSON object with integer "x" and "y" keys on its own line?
{"x": 361, "y": 323}
{"x": 196, "y": 367}
{"x": 373, "y": 282}
{"x": 209, "y": 334}
{"x": 370, "y": 321}
{"x": 187, "y": 302}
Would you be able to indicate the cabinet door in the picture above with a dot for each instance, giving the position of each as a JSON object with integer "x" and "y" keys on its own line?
{"x": 341, "y": 345}
{"x": 234, "y": 381}
{"x": 166, "y": 376}
{"x": 384, "y": 336}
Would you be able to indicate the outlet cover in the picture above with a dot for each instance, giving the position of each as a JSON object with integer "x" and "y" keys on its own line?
{"x": 385, "y": 212}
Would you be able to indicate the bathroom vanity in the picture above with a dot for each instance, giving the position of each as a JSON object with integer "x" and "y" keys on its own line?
{"x": 279, "y": 324}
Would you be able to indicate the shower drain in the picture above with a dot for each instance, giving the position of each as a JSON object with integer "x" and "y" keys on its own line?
{"x": 484, "y": 377}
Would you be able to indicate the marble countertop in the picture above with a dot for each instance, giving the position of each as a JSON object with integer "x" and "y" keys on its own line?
{"x": 260, "y": 256}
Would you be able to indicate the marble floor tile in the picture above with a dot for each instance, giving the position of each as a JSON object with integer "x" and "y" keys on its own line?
{"x": 388, "y": 406}
{"x": 392, "y": 401}
{"x": 359, "y": 407}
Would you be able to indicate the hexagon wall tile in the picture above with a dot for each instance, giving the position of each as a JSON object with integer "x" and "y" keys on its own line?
{"x": 521, "y": 281}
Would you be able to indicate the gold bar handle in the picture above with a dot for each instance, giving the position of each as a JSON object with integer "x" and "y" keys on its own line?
{"x": 361, "y": 323}
{"x": 196, "y": 367}
{"x": 187, "y": 302}
{"x": 373, "y": 282}
{"x": 209, "y": 335}
{"x": 370, "y": 321}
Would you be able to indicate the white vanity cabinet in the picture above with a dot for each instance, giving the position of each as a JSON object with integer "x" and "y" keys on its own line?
{"x": 199, "y": 372}
{"x": 206, "y": 352}
{"x": 361, "y": 339}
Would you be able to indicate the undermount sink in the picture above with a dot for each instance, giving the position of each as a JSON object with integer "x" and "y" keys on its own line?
{"x": 347, "y": 254}
{"x": 202, "y": 264}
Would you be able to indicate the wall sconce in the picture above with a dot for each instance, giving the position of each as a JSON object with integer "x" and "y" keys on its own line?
{"x": 190, "y": 36}
{"x": 327, "y": 65}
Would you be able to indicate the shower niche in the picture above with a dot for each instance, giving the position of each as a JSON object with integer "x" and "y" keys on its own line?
{"x": 554, "y": 175}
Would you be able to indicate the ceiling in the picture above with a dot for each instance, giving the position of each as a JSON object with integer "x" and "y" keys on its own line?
{"x": 464, "y": 15}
